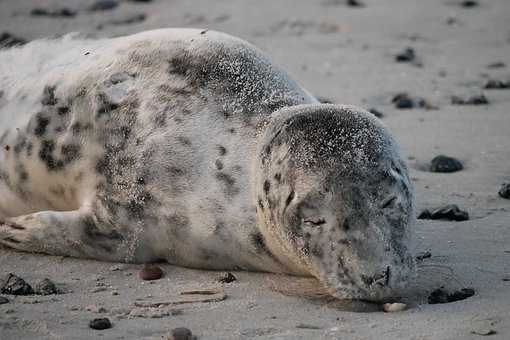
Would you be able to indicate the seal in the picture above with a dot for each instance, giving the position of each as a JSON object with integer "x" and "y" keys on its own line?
{"x": 189, "y": 146}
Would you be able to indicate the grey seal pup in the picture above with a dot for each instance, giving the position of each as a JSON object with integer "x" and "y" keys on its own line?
{"x": 189, "y": 146}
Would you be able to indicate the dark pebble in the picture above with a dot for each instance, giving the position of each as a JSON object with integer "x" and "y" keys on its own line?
{"x": 449, "y": 212}
{"x": 181, "y": 333}
{"x": 440, "y": 295}
{"x": 376, "y": 112}
{"x": 403, "y": 101}
{"x": 494, "y": 84}
{"x": 324, "y": 100}
{"x": 227, "y": 278}
{"x": 103, "y": 5}
{"x": 131, "y": 19}
{"x": 355, "y": 3}
{"x": 46, "y": 287}
{"x": 505, "y": 190}
{"x": 479, "y": 99}
{"x": 9, "y": 40}
{"x": 406, "y": 56}
{"x": 101, "y": 323}
{"x": 469, "y": 3}
{"x": 3, "y": 300}
{"x": 53, "y": 13}
{"x": 424, "y": 255}
{"x": 150, "y": 272}
{"x": 444, "y": 163}
{"x": 15, "y": 285}
{"x": 497, "y": 64}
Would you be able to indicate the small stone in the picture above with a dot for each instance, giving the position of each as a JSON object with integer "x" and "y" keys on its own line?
{"x": 449, "y": 212}
{"x": 96, "y": 309}
{"x": 99, "y": 289}
{"x": 444, "y": 163}
{"x": 54, "y": 13}
{"x": 227, "y": 278}
{"x": 483, "y": 331}
{"x": 394, "y": 307}
{"x": 9, "y": 40}
{"x": 307, "y": 326}
{"x": 494, "y": 84}
{"x": 425, "y": 215}
{"x": 469, "y": 3}
{"x": 181, "y": 333}
{"x": 324, "y": 100}
{"x": 504, "y": 192}
{"x": 406, "y": 56}
{"x": 115, "y": 292}
{"x": 478, "y": 99}
{"x": 403, "y": 101}
{"x": 355, "y": 3}
{"x": 100, "y": 324}
{"x": 15, "y": 285}
{"x": 46, "y": 287}
{"x": 424, "y": 255}
{"x": 496, "y": 64}
{"x": 440, "y": 295}
{"x": 3, "y": 300}
{"x": 376, "y": 112}
{"x": 150, "y": 272}
{"x": 103, "y": 5}
{"x": 129, "y": 19}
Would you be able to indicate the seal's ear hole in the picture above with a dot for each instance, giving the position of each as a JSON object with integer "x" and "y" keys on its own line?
{"x": 346, "y": 226}
{"x": 290, "y": 198}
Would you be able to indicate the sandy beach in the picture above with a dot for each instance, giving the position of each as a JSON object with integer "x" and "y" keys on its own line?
{"x": 348, "y": 55}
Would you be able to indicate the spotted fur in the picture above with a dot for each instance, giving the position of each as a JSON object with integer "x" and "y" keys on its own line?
{"x": 183, "y": 145}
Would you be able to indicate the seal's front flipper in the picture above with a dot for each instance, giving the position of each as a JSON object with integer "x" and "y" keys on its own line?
{"x": 76, "y": 233}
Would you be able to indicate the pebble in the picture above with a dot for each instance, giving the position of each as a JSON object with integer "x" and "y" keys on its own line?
{"x": 96, "y": 309}
{"x": 469, "y": 3}
{"x": 181, "y": 333}
{"x": 424, "y": 255}
{"x": 9, "y": 40}
{"x": 504, "y": 192}
{"x": 494, "y": 84}
{"x": 129, "y": 19}
{"x": 440, "y": 295}
{"x": 103, "y": 5}
{"x": 406, "y": 56}
{"x": 394, "y": 307}
{"x": 449, "y": 212}
{"x": 478, "y": 99}
{"x": 150, "y": 272}
{"x": 100, "y": 324}
{"x": 3, "y": 300}
{"x": 46, "y": 287}
{"x": 53, "y": 13}
{"x": 324, "y": 100}
{"x": 376, "y": 112}
{"x": 496, "y": 64}
{"x": 444, "y": 163}
{"x": 227, "y": 278}
{"x": 403, "y": 101}
{"x": 15, "y": 285}
{"x": 355, "y": 3}
{"x": 99, "y": 289}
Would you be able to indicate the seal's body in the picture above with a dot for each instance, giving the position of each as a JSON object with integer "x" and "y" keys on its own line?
{"x": 191, "y": 147}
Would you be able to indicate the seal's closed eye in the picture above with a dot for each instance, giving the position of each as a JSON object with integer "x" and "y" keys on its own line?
{"x": 315, "y": 221}
{"x": 389, "y": 202}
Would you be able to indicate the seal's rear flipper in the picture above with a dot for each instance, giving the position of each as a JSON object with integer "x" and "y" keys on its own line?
{"x": 71, "y": 233}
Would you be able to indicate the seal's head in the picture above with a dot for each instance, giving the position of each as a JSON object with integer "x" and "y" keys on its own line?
{"x": 335, "y": 200}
